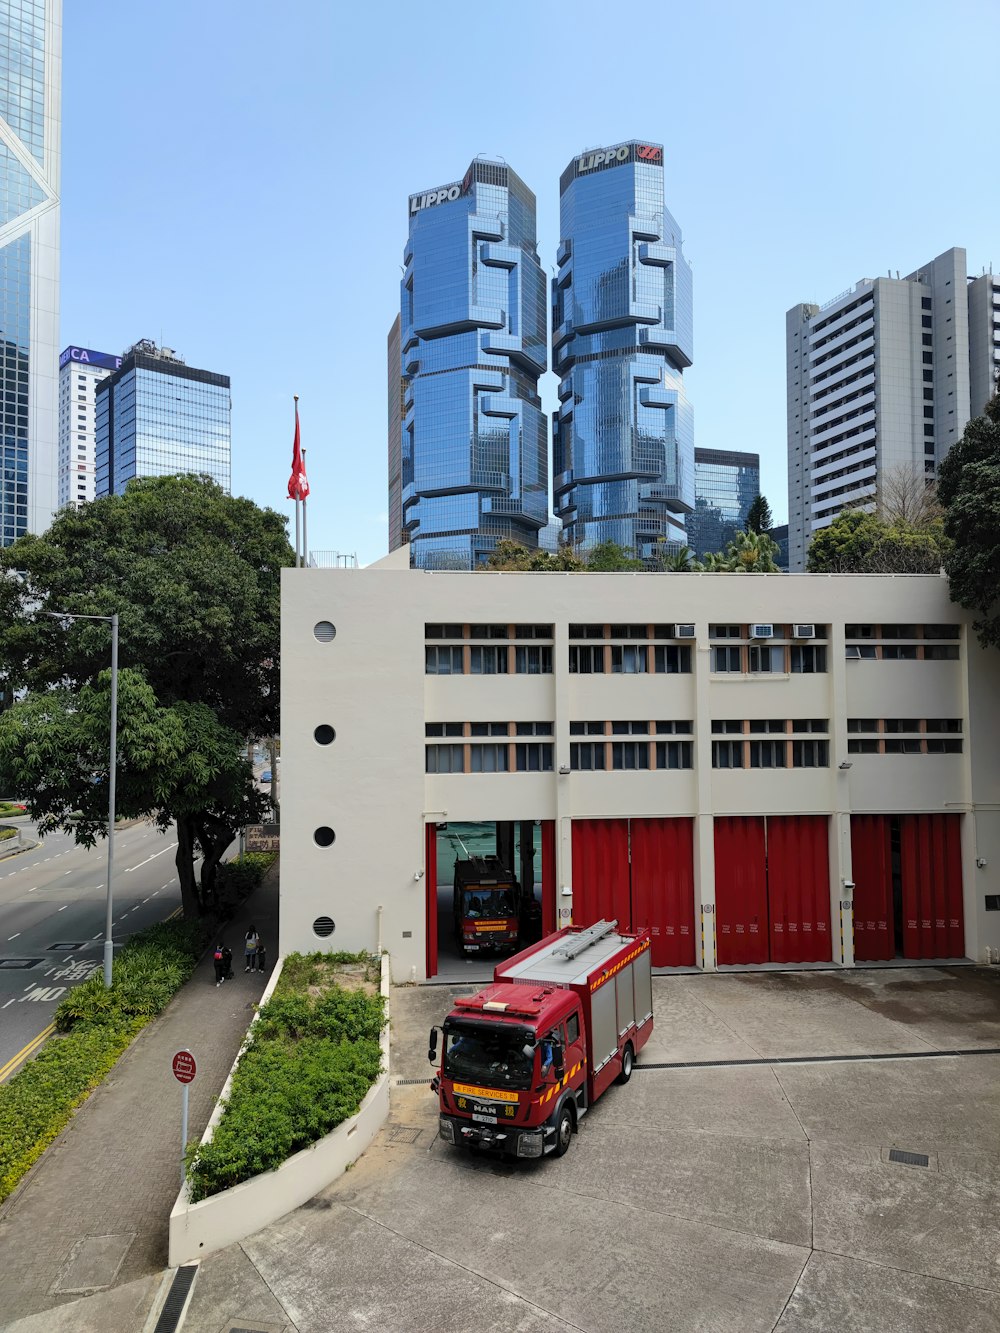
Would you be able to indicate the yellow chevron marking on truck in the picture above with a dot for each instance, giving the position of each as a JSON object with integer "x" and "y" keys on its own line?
{"x": 486, "y": 1094}
{"x": 629, "y": 957}
{"x": 558, "y": 1087}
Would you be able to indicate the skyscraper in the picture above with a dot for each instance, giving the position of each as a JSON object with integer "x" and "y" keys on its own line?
{"x": 30, "y": 89}
{"x": 623, "y": 437}
{"x": 396, "y": 399}
{"x": 474, "y": 457}
{"x": 882, "y": 381}
{"x": 80, "y": 371}
{"x": 726, "y": 483}
{"x": 157, "y": 417}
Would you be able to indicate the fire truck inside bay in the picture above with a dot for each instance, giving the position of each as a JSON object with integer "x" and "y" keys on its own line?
{"x": 524, "y": 1059}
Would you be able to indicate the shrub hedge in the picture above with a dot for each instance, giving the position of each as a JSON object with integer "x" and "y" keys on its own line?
{"x": 235, "y": 879}
{"x": 99, "y": 1024}
{"x": 310, "y": 1061}
{"x": 7, "y": 833}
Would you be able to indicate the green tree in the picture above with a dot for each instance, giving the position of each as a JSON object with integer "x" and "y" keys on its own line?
{"x": 194, "y": 575}
{"x": 609, "y": 557}
{"x": 969, "y": 489}
{"x": 759, "y": 518}
{"x": 859, "y": 542}
{"x": 747, "y": 553}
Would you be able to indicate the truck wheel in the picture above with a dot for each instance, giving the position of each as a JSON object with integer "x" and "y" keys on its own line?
{"x": 628, "y": 1063}
{"x": 564, "y": 1131}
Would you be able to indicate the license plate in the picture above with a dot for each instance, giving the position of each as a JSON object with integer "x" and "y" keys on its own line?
{"x": 484, "y": 1119}
{"x": 472, "y": 948}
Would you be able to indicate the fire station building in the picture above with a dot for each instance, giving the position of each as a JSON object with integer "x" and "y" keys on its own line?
{"x": 762, "y": 769}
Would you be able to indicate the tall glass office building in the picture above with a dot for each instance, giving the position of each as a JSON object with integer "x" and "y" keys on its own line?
{"x": 30, "y": 83}
{"x": 157, "y": 417}
{"x": 473, "y": 344}
{"x": 726, "y": 483}
{"x": 623, "y": 437}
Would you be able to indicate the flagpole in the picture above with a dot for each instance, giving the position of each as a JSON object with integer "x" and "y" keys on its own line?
{"x": 298, "y": 502}
{"x": 305, "y": 539}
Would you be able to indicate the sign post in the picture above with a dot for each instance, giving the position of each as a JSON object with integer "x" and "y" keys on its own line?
{"x": 184, "y": 1070}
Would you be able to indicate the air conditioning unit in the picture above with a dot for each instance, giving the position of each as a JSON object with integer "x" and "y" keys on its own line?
{"x": 803, "y": 631}
{"x": 762, "y": 631}
{"x": 683, "y": 631}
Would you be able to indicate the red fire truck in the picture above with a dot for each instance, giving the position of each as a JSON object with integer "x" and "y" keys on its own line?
{"x": 486, "y": 905}
{"x": 525, "y": 1058}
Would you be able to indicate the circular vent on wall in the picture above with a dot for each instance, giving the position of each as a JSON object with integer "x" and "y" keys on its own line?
{"x": 325, "y": 631}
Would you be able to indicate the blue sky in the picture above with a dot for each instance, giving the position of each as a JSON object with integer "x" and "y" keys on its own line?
{"x": 235, "y": 182}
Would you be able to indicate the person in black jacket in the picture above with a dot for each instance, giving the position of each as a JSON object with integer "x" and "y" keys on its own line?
{"x": 220, "y": 964}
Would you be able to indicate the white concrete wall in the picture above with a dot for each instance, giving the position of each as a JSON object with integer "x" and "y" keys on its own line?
{"x": 370, "y": 685}
{"x": 199, "y": 1229}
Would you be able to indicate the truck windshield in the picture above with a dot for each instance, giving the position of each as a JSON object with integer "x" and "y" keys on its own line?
{"x": 498, "y": 1056}
{"x": 488, "y": 903}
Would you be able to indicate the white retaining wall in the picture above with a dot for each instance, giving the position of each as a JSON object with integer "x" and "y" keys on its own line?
{"x": 199, "y": 1229}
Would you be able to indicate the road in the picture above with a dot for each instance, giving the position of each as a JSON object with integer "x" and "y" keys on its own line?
{"x": 52, "y": 908}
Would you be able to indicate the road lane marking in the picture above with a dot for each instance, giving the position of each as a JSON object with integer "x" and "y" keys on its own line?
{"x": 64, "y": 906}
{"x": 10, "y": 1001}
{"x": 7, "y": 1069}
{"x": 98, "y": 936}
{"x": 67, "y": 872}
{"x": 129, "y": 870}
{"x": 13, "y": 937}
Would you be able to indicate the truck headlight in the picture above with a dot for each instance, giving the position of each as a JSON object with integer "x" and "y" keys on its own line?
{"x": 446, "y": 1130}
{"x": 530, "y": 1145}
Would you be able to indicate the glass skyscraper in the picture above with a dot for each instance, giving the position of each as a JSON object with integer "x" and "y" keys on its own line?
{"x": 623, "y": 437}
{"x": 30, "y": 79}
{"x": 726, "y": 483}
{"x": 474, "y": 457}
{"x": 157, "y": 417}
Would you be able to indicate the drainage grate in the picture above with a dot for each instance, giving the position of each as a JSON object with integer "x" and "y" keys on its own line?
{"x": 14, "y": 963}
{"x": 404, "y": 1134}
{"x": 909, "y": 1158}
{"x": 410, "y": 1082}
{"x": 817, "y": 1059}
{"x": 66, "y": 946}
{"x": 173, "y": 1306}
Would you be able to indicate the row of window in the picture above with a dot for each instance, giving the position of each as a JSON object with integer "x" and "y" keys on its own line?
{"x": 913, "y": 745}
{"x": 525, "y": 757}
{"x": 491, "y": 631}
{"x": 488, "y": 729}
{"x": 770, "y": 754}
{"x": 673, "y": 659}
{"x": 941, "y": 725}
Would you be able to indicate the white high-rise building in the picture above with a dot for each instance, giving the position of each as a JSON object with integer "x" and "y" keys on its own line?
{"x": 80, "y": 371}
{"x": 30, "y": 94}
{"x": 881, "y": 380}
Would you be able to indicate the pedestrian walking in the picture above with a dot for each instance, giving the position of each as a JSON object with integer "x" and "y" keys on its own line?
{"x": 227, "y": 963}
{"x": 261, "y": 957}
{"x": 250, "y": 947}
{"x": 220, "y": 964}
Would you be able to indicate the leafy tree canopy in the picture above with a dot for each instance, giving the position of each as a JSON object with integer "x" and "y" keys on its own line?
{"x": 759, "y": 518}
{"x": 969, "y": 489}
{"x": 194, "y": 575}
{"x": 858, "y": 542}
{"x": 607, "y": 557}
{"x": 747, "y": 553}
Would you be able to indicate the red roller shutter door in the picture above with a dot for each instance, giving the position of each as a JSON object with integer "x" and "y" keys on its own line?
{"x": 662, "y": 853}
{"x": 740, "y": 891}
{"x": 931, "y": 866}
{"x": 871, "y": 858}
{"x": 601, "y": 871}
{"x": 798, "y": 889}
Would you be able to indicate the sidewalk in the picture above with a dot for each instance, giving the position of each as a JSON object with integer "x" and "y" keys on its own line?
{"x": 91, "y": 1216}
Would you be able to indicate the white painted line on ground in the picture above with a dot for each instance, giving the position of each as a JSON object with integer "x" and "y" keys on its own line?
{"x": 10, "y": 1001}
{"x": 153, "y": 895}
{"x": 13, "y": 937}
{"x": 129, "y": 870}
{"x": 34, "y": 890}
{"x": 98, "y": 935}
{"x": 64, "y": 906}
{"x": 67, "y": 872}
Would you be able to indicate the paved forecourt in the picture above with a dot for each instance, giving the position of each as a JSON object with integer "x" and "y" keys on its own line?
{"x": 731, "y": 1196}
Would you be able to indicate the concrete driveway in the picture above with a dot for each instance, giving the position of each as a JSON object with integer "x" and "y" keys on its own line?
{"x": 746, "y": 1194}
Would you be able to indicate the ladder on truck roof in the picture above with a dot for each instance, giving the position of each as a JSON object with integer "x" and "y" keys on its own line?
{"x": 575, "y": 944}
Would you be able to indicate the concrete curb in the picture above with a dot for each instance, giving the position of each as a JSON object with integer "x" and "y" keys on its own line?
{"x": 199, "y": 1229}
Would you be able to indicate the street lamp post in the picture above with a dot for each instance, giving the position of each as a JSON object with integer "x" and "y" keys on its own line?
{"x": 112, "y": 775}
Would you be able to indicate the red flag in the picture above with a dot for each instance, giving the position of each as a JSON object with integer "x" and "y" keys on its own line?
{"x": 298, "y": 484}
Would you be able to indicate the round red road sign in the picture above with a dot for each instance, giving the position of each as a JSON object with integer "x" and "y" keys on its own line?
{"x": 184, "y": 1067}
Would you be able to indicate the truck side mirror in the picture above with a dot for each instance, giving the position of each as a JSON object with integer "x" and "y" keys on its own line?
{"x": 557, "y": 1061}
{"x": 432, "y": 1045}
